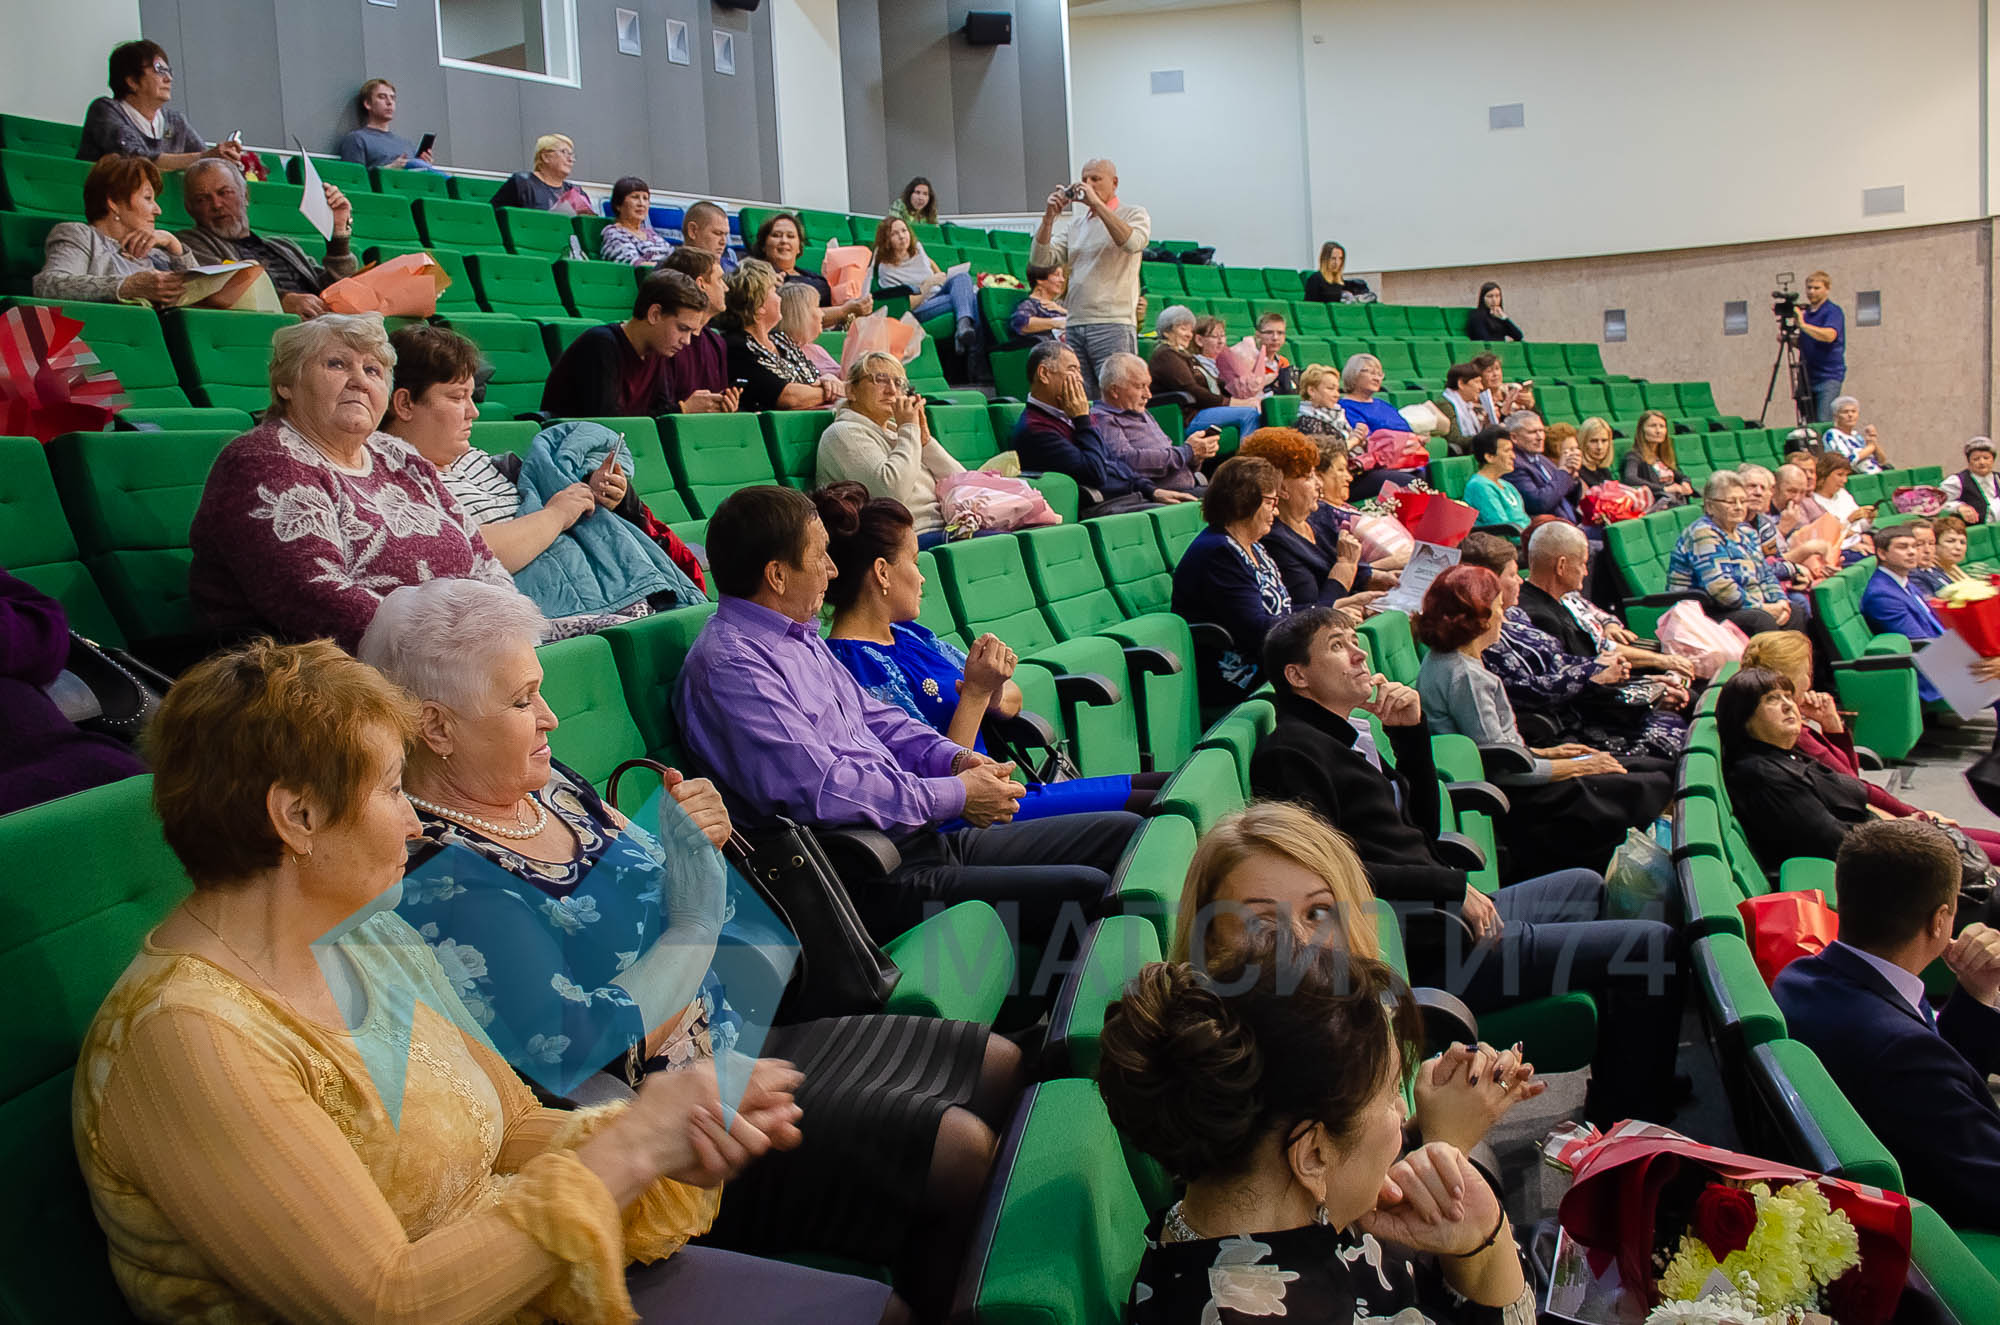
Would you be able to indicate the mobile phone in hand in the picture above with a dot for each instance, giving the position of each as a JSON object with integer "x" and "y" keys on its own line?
{"x": 429, "y": 141}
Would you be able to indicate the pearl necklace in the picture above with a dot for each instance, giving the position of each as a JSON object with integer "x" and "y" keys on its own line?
{"x": 515, "y": 832}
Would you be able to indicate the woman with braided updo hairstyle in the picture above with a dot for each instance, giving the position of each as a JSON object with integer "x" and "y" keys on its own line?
{"x": 1273, "y": 1084}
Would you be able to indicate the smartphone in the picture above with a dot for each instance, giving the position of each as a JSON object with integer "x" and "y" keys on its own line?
{"x": 429, "y": 141}
{"x": 741, "y": 384}
{"x": 236, "y": 137}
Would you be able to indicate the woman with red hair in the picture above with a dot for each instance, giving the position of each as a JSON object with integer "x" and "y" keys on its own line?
{"x": 1319, "y": 561}
{"x": 1590, "y": 792}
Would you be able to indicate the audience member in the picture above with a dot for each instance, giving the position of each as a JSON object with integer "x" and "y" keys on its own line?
{"x": 1227, "y": 578}
{"x": 1058, "y": 432}
{"x": 1360, "y": 380}
{"x": 1850, "y": 438}
{"x": 1272, "y": 1083}
{"x": 1831, "y": 497}
{"x": 1915, "y": 1074}
{"x": 705, "y": 228}
{"x": 218, "y": 202}
{"x": 630, "y": 237}
{"x": 1560, "y": 697}
{"x": 1596, "y": 797}
{"x": 115, "y": 254}
{"x": 1562, "y": 447}
{"x": 1041, "y": 316}
{"x": 1497, "y": 502}
{"x": 1331, "y": 284}
{"x": 277, "y": 781}
{"x": 309, "y": 518}
{"x": 1650, "y": 463}
{"x": 46, "y": 756}
{"x": 1593, "y": 440}
{"x": 546, "y": 187}
{"x": 698, "y": 376}
{"x": 1101, "y": 246}
{"x": 917, "y": 202}
{"x": 1181, "y": 366}
{"x": 1336, "y": 485}
{"x": 1319, "y": 561}
{"x": 781, "y": 241}
{"x": 1271, "y": 340}
{"x": 1131, "y": 433}
{"x": 1461, "y": 408}
{"x": 1532, "y": 938}
{"x": 1547, "y": 488}
{"x": 771, "y": 371}
{"x": 919, "y": 1095}
{"x": 882, "y": 440}
{"x": 1975, "y": 490}
{"x": 900, "y": 264}
{"x": 1320, "y": 414}
{"x": 1822, "y": 343}
{"x": 1721, "y": 555}
{"x": 620, "y": 369}
{"x": 1891, "y": 603}
{"x": 372, "y": 144}
{"x": 1489, "y": 321}
{"x": 1951, "y": 549}
{"x": 1926, "y": 578}
{"x": 1823, "y": 734}
{"x": 1552, "y": 600}
{"x": 135, "y": 120}
{"x": 763, "y": 703}
{"x": 800, "y": 318}
{"x": 877, "y": 594}
{"x": 1498, "y": 396}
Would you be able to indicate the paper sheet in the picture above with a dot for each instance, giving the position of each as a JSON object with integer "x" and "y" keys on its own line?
{"x": 959, "y": 269}
{"x": 1947, "y": 661}
{"x": 1427, "y": 562}
{"x": 313, "y": 206}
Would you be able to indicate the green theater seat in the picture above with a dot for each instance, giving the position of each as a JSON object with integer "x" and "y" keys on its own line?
{"x": 24, "y": 133}
{"x": 50, "y": 185}
{"x": 224, "y": 355}
{"x": 36, "y": 544}
{"x": 603, "y": 291}
{"x": 1112, "y": 952}
{"x": 1134, "y": 565}
{"x": 520, "y": 360}
{"x": 542, "y": 235}
{"x": 382, "y": 218}
{"x": 523, "y": 286}
{"x": 411, "y": 184}
{"x": 712, "y": 455}
{"x": 23, "y": 249}
{"x": 792, "y": 437}
{"x": 1807, "y": 1119}
{"x": 127, "y": 339}
{"x": 469, "y": 227}
{"x": 350, "y": 179}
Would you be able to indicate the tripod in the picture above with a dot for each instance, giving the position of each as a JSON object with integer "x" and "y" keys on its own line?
{"x": 1795, "y": 374}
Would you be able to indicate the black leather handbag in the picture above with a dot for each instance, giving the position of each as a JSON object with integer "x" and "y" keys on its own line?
{"x": 124, "y": 693}
{"x": 841, "y": 970}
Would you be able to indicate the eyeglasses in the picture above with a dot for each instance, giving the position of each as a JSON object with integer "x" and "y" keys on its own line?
{"x": 1271, "y": 500}
{"x": 162, "y": 69}
{"x": 883, "y": 380}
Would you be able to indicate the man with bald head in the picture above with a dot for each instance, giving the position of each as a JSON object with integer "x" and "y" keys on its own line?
{"x": 1101, "y": 244}
{"x": 1552, "y": 598}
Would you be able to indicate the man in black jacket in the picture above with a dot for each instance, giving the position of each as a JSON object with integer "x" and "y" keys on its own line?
{"x": 1056, "y": 433}
{"x": 1559, "y": 565}
{"x": 1538, "y": 937}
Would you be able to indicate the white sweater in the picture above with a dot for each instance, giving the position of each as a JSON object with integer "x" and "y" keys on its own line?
{"x": 1103, "y": 276}
{"x": 896, "y": 464}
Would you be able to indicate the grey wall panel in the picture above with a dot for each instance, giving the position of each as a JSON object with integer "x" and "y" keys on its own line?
{"x": 224, "y": 75}
{"x": 986, "y": 112}
{"x": 318, "y": 94}
{"x": 868, "y": 187}
{"x": 917, "y": 97}
{"x": 674, "y": 96}
{"x": 1038, "y": 36}
{"x": 400, "y": 44}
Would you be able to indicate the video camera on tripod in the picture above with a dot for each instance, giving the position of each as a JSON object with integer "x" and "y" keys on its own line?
{"x": 1785, "y": 307}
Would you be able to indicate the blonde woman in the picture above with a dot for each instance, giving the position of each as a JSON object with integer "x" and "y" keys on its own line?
{"x": 802, "y": 320}
{"x": 1650, "y": 463}
{"x": 883, "y": 441}
{"x": 546, "y": 188}
{"x": 1593, "y": 436}
{"x": 774, "y": 372}
{"x": 1331, "y": 284}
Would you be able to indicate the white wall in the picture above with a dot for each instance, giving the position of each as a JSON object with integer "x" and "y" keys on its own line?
{"x": 1225, "y": 161}
{"x": 1648, "y": 126}
{"x": 52, "y": 69}
{"x": 812, "y": 131}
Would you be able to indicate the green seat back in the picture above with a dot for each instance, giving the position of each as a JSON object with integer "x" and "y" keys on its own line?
{"x": 1813, "y": 1121}
{"x": 603, "y": 291}
{"x": 1147, "y": 882}
{"x": 36, "y": 544}
{"x": 1696, "y": 398}
{"x": 130, "y": 498}
{"x": 1961, "y": 1268}
{"x": 1590, "y": 400}
{"x": 469, "y": 227}
{"x": 520, "y": 360}
{"x": 1627, "y": 401}
{"x": 996, "y": 305}
{"x": 1161, "y": 279}
{"x": 1202, "y": 280}
{"x": 1584, "y": 360}
{"x": 1546, "y": 361}
{"x": 50, "y": 185}
{"x": 926, "y": 371}
{"x": 594, "y": 729}
{"x": 1390, "y": 321}
{"x": 536, "y": 234}
{"x": 523, "y": 286}
{"x": 349, "y": 178}
{"x": 1740, "y": 1007}
{"x": 382, "y": 218}
{"x": 935, "y": 613}
{"x": 224, "y": 356}
{"x": 1450, "y": 474}
{"x": 274, "y": 210}
{"x": 792, "y": 437}
{"x": 1245, "y": 283}
{"x": 93, "y": 874}
{"x": 712, "y": 455}
{"x": 1010, "y": 241}
{"x": 48, "y": 137}
{"x": 1237, "y": 733}
{"x": 966, "y": 433}
{"x": 986, "y": 582}
{"x": 1134, "y": 566}
{"x": 1113, "y": 951}
{"x": 1064, "y": 571}
{"x": 23, "y": 248}
{"x": 1203, "y": 789}
{"x": 504, "y": 436}
{"x": 649, "y": 654}
{"x": 411, "y": 184}
{"x": 559, "y": 332}
{"x": 1391, "y": 646}
{"x": 1175, "y": 527}
{"x": 127, "y": 339}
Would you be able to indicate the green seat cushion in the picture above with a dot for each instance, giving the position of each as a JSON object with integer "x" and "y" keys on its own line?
{"x": 958, "y": 965}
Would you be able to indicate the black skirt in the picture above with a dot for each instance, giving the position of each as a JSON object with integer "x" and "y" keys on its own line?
{"x": 1578, "y": 823}
{"x": 875, "y": 1091}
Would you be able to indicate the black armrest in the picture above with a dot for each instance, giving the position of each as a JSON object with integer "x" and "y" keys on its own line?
{"x": 1087, "y": 688}
{"x": 1482, "y": 797}
{"x": 1153, "y": 662}
{"x": 1868, "y": 759}
{"x": 1208, "y": 635}
{"x": 1460, "y": 852}
{"x": 1446, "y": 1019}
{"x": 1182, "y": 398}
{"x": 859, "y": 855}
{"x": 1024, "y": 728}
{"x": 1505, "y": 761}
{"x": 1666, "y": 598}
{"x": 1876, "y": 662}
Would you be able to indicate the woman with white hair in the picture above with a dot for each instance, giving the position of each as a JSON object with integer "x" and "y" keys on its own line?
{"x": 546, "y": 188}
{"x": 883, "y": 441}
{"x": 1177, "y": 368}
{"x": 1851, "y": 438}
{"x": 1722, "y": 556}
{"x": 586, "y": 947}
{"x": 1360, "y": 380}
{"x": 307, "y": 520}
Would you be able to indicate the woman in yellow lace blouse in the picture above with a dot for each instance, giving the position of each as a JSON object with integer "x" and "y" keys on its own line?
{"x": 262, "y": 1142}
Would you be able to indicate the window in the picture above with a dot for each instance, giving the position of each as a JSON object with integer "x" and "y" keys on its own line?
{"x": 533, "y": 39}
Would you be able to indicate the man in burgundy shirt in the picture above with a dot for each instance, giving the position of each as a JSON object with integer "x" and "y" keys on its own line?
{"x": 621, "y": 368}
{"x": 698, "y": 377}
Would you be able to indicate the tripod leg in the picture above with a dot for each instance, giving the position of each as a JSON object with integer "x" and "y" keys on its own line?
{"x": 1771, "y": 387}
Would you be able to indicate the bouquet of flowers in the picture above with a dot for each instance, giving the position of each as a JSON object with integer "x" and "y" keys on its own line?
{"x": 1972, "y": 608}
{"x": 51, "y": 381}
{"x": 1773, "y": 1250}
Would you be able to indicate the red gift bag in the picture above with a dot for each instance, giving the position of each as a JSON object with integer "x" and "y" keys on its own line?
{"x": 1613, "y": 1201}
{"x": 1608, "y": 503}
{"x": 1432, "y": 517}
{"x": 1783, "y": 927}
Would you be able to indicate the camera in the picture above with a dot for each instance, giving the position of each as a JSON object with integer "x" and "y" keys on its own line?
{"x": 1785, "y": 302}
{"x": 1074, "y": 193}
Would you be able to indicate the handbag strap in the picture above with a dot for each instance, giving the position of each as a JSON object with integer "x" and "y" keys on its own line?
{"x": 738, "y": 850}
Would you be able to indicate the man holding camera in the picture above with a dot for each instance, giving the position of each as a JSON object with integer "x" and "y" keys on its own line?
{"x": 1822, "y": 344}
{"x": 1101, "y": 246}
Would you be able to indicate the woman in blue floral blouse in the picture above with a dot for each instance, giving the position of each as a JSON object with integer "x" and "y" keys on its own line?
{"x": 586, "y": 944}
{"x": 1227, "y": 579}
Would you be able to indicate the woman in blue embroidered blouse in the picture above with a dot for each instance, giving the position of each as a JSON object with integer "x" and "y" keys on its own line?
{"x": 876, "y": 596}
{"x": 630, "y": 238}
{"x": 580, "y": 940}
{"x": 1360, "y": 378}
{"x": 1227, "y": 579}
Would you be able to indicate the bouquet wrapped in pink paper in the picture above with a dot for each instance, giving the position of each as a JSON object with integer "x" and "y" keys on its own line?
{"x": 845, "y": 268}
{"x": 1243, "y": 368}
{"x": 903, "y": 338}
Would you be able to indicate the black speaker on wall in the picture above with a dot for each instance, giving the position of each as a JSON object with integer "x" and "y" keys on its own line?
{"x": 739, "y": 4}
{"x": 989, "y": 27}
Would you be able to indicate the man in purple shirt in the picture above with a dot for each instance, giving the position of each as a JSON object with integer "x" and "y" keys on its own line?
{"x": 1135, "y": 436}
{"x": 785, "y": 730}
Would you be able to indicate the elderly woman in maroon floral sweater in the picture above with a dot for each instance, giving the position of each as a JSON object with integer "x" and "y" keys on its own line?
{"x": 311, "y": 518}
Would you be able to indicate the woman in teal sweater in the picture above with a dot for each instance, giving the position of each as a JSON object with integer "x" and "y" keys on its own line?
{"x": 1487, "y": 492}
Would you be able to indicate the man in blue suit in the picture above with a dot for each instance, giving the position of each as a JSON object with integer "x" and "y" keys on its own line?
{"x": 1547, "y": 488}
{"x": 1892, "y": 603}
{"x": 1916, "y": 1075}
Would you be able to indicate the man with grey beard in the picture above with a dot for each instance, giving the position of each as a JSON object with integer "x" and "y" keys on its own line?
{"x": 217, "y": 199}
